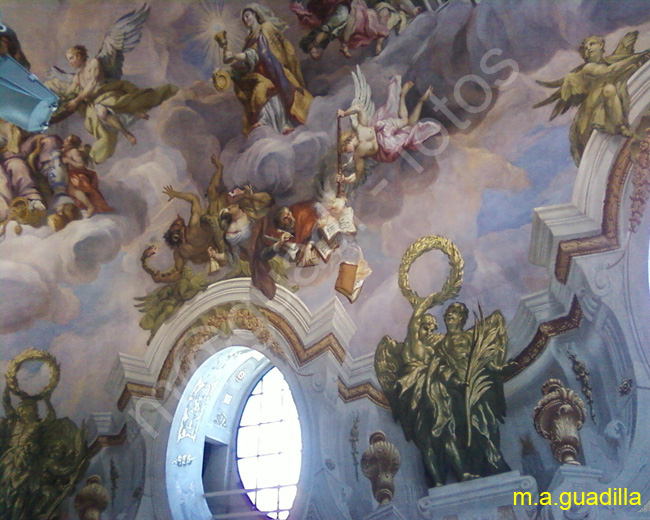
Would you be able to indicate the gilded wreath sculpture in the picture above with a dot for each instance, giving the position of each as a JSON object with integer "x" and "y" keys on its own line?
{"x": 41, "y": 458}
{"x": 446, "y": 390}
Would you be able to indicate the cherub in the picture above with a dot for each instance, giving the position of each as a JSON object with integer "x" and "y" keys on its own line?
{"x": 83, "y": 183}
{"x": 97, "y": 91}
{"x": 598, "y": 88}
{"x": 384, "y": 134}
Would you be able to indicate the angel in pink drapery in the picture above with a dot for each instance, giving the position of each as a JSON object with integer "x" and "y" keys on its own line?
{"x": 383, "y": 134}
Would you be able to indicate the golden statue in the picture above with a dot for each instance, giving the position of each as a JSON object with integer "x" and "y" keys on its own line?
{"x": 598, "y": 88}
{"x": 446, "y": 390}
{"x": 41, "y": 458}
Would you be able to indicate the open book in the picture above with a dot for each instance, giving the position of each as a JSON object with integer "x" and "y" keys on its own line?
{"x": 324, "y": 248}
{"x": 333, "y": 226}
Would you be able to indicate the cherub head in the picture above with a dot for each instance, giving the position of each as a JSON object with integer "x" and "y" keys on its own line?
{"x": 175, "y": 235}
{"x": 455, "y": 317}
{"x": 236, "y": 192}
{"x": 592, "y": 48}
{"x": 77, "y": 56}
{"x": 348, "y": 141}
{"x": 71, "y": 142}
{"x": 427, "y": 328}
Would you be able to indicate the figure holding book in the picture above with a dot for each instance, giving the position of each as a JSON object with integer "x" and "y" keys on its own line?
{"x": 308, "y": 233}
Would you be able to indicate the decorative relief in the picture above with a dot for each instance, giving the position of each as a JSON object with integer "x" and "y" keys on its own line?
{"x": 92, "y": 499}
{"x": 558, "y": 417}
{"x": 183, "y": 460}
{"x": 625, "y": 388}
{"x": 608, "y": 239}
{"x": 194, "y": 409}
{"x": 545, "y": 332}
{"x": 582, "y": 375}
{"x": 640, "y": 181}
{"x": 380, "y": 462}
{"x": 354, "y": 444}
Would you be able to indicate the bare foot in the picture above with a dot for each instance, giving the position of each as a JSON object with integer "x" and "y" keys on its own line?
{"x": 625, "y": 131}
{"x": 407, "y": 86}
{"x": 345, "y": 51}
{"x": 427, "y": 94}
{"x": 379, "y": 46}
{"x": 256, "y": 125}
{"x": 287, "y": 131}
{"x": 141, "y": 115}
{"x": 90, "y": 211}
{"x": 131, "y": 138}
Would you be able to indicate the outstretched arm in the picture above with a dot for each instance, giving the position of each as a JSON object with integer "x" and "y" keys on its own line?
{"x": 354, "y": 110}
{"x": 192, "y": 198}
{"x": 93, "y": 73}
{"x": 631, "y": 62}
{"x": 215, "y": 188}
{"x": 51, "y": 413}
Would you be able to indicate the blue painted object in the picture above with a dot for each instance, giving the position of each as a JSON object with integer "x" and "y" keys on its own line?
{"x": 24, "y": 100}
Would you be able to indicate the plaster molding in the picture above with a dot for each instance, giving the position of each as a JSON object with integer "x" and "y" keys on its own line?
{"x": 590, "y": 223}
{"x": 551, "y": 224}
{"x": 586, "y": 245}
{"x": 311, "y": 334}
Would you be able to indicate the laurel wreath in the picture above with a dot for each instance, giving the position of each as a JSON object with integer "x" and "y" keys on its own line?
{"x": 453, "y": 283}
{"x": 31, "y": 354}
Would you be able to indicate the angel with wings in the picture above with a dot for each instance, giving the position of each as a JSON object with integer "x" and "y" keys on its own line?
{"x": 598, "y": 88}
{"x": 446, "y": 390}
{"x": 107, "y": 102}
{"x": 382, "y": 135}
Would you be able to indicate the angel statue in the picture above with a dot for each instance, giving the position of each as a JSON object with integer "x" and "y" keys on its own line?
{"x": 598, "y": 88}
{"x": 107, "y": 102}
{"x": 41, "y": 458}
{"x": 446, "y": 390}
{"x": 382, "y": 135}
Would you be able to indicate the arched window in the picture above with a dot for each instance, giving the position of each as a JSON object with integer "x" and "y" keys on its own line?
{"x": 253, "y": 443}
{"x": 269, "y": 446}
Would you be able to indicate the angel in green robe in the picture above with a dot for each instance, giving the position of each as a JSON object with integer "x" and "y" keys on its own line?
{"x": 107, "y": 102}
{"x": 598, "y": 88}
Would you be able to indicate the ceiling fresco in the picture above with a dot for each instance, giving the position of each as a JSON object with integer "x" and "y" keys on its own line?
{"x": 484, "y": 159}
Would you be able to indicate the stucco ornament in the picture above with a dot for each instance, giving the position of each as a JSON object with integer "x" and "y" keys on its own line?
{"x": 92, "y": 499}
{"x": 379, "y": 463}
{"x": 558, "y": 417}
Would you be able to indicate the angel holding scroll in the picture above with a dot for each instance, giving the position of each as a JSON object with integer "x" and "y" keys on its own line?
{"x": 382, "y": 135}
{"x": 107, "y": 102}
